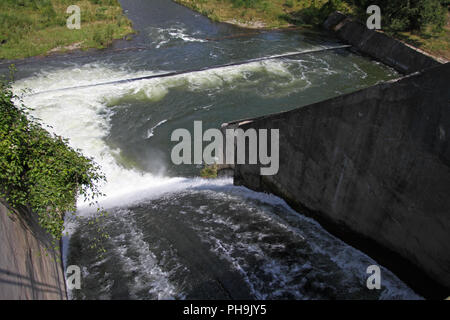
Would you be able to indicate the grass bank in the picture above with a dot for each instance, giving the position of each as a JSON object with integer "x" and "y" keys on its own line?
{"x": 436, "y": 43}
{"x": 265, "y": 14}
{"x": 310, "y": 13}
{"x": 36, "y": 27}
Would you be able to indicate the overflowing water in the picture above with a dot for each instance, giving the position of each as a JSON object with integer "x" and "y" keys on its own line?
{"x": 171, "y": 234}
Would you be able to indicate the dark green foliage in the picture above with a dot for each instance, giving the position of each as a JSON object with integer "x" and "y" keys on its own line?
{"x": 399, "y": 15}
{"x": 246, "y": 3}
{"x": 408, "y": 15}
{"x": 209, "y": 171}
{"x": 316, "y": 15}
{"x": 39, "y": 170}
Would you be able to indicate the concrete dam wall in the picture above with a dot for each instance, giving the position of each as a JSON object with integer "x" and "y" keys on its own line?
{"x": 378, "y": 45}
{"x": 373, "y": 167}
{"x": 28, "y": 268}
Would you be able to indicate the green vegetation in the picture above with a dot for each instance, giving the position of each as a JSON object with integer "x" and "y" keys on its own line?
{"x": 35, "y": 27}
{"x": 424, "y": 24}
{"x": 209, "y": 171}
{"x": 39, "y": 170}
{"x": 434, "y": 42}
{"x": 265, "y": 13}
{"x": 421, "y": 23}
{"x": 407, "y": 15}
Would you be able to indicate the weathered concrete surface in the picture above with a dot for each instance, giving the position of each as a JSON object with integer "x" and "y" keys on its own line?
{"x": 26, "y": 272}
{"x": 373, "y": 167}
{"x": 378, "y": 45}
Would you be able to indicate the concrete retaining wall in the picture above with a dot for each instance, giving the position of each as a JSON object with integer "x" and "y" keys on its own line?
{"x": 378, "y": 45}
{"x": 373, "y": 167}
{"x": 27, "y": 270}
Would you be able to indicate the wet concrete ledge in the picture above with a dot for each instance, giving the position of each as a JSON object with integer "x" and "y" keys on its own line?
{"x": 378, "y": 45}
{"x": 373, "y": 167}
{"x": 27, "y": 270}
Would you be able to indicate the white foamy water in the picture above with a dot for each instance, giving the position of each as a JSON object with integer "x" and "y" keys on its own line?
{"x": 150, "y": 132}
{"x": 82, "y": 117}
{"x": 82, "y": 114}
{"x": 230, "y": 239}
{"x": 144, "y": 267}
{"x": 164, "y": 36}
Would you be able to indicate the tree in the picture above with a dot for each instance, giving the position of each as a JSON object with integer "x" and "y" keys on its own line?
{"x": 409, "y": 15}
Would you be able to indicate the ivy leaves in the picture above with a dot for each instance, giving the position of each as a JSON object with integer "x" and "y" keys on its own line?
{"x": 40, "y": 170}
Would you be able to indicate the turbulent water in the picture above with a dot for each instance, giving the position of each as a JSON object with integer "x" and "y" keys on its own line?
{"x": 173, "y": 235}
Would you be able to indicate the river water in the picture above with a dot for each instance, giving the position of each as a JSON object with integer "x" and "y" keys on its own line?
{"x": 172, "y": 234}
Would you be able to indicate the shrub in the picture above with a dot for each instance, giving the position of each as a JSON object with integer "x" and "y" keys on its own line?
{"x": 408, "y": 15}
{"x": 245, "y": 3}
{"x": 209, "y": 171}
{"x": 39, "y": 170}
{"x": 316, "y": 14}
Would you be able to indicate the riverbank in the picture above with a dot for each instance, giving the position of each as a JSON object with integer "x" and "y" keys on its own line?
{"x": 436, "y": 43}
{"x": 264, "y": 14}
{"x": 28, "y": 28}
{"x": 307, "y": 13}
